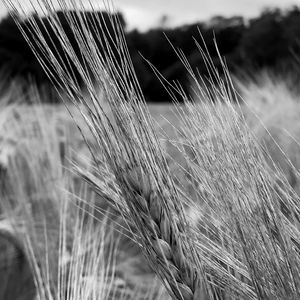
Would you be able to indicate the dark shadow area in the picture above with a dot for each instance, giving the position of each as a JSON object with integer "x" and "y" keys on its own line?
{"x": 270, "y": 40}
{"x": 16, "y": 277}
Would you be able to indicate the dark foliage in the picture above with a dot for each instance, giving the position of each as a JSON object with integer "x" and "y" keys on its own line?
{"x": 271, "y": 40}
{"x": 18, "y": 60}
{"x": 16, "y": 277}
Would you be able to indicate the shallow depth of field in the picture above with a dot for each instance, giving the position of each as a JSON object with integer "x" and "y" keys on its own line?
{"x": 106, "y": 197}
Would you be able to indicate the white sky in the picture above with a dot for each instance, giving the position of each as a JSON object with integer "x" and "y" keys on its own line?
{"x": 144, "y": 14}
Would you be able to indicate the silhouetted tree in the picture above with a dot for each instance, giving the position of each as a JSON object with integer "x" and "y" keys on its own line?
{"x": 269, "y": 40}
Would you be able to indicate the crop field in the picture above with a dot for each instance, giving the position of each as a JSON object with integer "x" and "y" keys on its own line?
{"x": 106, "y": 197}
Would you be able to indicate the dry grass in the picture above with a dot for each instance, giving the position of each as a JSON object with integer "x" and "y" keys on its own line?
{"x": 66, "y": 249}
{"x": 271, "y": 110}
{"x": 244, "y": 243}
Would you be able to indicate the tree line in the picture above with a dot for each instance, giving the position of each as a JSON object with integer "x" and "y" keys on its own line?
{"x": 271, "y": 40}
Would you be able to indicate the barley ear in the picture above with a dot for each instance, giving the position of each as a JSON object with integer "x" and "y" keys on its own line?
{"x": 164, "y": 238}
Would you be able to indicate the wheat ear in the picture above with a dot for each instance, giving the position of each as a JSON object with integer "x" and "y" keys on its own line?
{"x": 152, "y": 203}
{"x": 164, "y": 236}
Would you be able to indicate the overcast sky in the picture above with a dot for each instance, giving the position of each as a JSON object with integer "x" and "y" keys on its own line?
{"x": 144, "y": 14}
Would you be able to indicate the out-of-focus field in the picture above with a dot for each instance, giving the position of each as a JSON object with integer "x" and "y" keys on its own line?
{"x": 40, "y": 144}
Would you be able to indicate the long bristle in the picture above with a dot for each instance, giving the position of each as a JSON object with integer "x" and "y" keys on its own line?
{"x": 244, "y": 243}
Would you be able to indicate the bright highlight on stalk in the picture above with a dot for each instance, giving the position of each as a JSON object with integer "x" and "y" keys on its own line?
{"x": 243, "y": 243}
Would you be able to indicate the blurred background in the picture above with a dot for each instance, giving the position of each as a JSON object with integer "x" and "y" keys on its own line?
{"x": 260, "y": 42}
{"x": 252, "y": 35}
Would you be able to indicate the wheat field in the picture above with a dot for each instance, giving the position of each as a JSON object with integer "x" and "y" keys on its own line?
{"x": 106, "y": 197}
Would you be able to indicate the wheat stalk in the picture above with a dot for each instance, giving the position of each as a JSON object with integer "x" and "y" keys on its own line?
{"x": 157, "y": 213}
{"x": 259, "y": 256}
